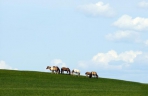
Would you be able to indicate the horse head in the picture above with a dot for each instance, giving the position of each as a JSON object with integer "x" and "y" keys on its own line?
{"x": 87, "y": 73}
{"x": 48, "y": 67}
{"x": 72, "y": 72}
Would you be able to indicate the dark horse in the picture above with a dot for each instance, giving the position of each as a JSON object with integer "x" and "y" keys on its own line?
{"x": 94, "y": 74}
{"x": 87, "y": 74}
{"x": 54, "y": 68}
{"x": 65, "y": 69}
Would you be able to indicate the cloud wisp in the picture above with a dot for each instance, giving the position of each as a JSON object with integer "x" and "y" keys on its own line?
{"x": 126, "y": 35}
{"x": 3, "y": 65}
{"x": 143, "y": 4}
{"x": 129, "y": 23}
{"x": 58, "y": 62}
{"x": 146, "y": 42}
{"x": 97, "y": 9}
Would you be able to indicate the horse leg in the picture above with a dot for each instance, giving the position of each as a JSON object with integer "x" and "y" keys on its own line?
{"x": 58, "y": 71}
{"x": 97, "y": 75}
{"x": 61, "y": 71}
{"x": 87, "y": 75}
{"x": 69, "y": 73}
{"x": 90, "y": 75}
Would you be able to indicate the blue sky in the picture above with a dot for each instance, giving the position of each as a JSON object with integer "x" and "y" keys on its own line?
{"x": 109, "y": 37}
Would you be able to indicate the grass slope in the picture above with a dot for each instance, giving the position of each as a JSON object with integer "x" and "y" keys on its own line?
{"x": 27, "y": 83}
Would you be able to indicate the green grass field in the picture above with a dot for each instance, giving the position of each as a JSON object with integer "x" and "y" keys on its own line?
{"x": 30, "y": 83}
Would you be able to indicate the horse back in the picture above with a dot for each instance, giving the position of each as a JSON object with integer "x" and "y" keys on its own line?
{"x": 93, "y": 72}
{"x": 76, "y": 70}
{"x": 63, "y": 68}
{"x": 52, "y": 68}
{"x": 88, "y": 73}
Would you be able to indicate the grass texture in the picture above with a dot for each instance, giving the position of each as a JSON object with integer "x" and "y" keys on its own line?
{"x": 30, "y": 83}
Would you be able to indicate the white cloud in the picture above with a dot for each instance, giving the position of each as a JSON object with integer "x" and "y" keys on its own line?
{"x": 3, "y": 65}
{"x": 111, "y": 60}
{"x": 105, "y": 58}
{"x": 122, "y": 65}
{"x": 146, "y": 42}
{"x": 58, "y": 62}
{"x": 128, "y": 56}
{"x": 98, "y": 9}
{"x": 82, "y": 65}
{"x": 127, "y": 22}
{"x": 143, "y": 4}
{"x": 123, "y": 35}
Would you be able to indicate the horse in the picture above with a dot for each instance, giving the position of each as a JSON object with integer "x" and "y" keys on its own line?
{"x": 87, "y": 74}
{"x": 94, "y": 74}
{"x": 75, "y": 71}
{"x": 65, "y": 69}
{"x": 54, "y": 68}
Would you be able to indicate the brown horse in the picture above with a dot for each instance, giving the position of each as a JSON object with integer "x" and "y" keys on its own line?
{"x": 87, "y": 74}
{"x": 54, "y": 68}
{"x": 94, "y": 74}
{"x": 65, "y": 69}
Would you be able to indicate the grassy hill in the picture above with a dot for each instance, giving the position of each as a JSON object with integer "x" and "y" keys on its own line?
{"x": 27, "y": 83}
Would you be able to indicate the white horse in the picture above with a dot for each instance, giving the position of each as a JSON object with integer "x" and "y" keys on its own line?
{"x": 76, "y": 71}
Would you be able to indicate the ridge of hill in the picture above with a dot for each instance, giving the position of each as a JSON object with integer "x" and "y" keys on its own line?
{"x": 31, "y": 83}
